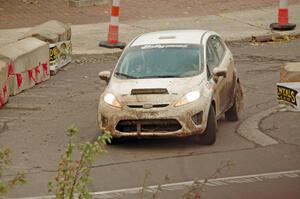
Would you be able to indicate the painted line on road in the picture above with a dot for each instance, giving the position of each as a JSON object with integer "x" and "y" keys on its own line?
{"x": 249, "y": 128}
{"x": 245, "y": 179}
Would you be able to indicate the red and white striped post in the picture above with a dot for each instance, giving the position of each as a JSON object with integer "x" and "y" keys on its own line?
{"x": 113, "y": 32}
{"x": 283, "y": 18}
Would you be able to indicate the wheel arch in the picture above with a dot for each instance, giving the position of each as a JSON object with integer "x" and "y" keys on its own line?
{"x": 213, "y": 103}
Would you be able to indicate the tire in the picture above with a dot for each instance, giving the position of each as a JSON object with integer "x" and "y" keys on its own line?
{"x": 208, "y": 137}
{"x": 233, "y": 114}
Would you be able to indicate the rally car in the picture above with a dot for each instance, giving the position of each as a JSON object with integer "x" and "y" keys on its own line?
{"x": 171, "y": 84}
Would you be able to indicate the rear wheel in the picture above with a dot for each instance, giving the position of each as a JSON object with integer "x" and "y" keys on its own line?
{"x": 233, "y": 114}
{"x": 210, "y": 133}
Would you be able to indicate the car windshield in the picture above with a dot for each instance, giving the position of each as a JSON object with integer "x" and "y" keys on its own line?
{"x": 160, "y": 61}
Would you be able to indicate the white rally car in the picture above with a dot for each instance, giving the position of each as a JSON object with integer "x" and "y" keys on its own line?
{"x": 171, "y": 84}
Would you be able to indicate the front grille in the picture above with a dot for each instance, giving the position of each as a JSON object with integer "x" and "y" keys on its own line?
{"x": 153, "y": 106}
{"x": 164, "y": 125}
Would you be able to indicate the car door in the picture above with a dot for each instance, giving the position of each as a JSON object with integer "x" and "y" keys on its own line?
{"x": 215, "y": 53}
{"x": 226, "y": 61}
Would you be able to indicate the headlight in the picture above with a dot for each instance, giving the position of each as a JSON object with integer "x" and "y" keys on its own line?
{"x": 112, "y": 100}
{"x": 188, "y": 98}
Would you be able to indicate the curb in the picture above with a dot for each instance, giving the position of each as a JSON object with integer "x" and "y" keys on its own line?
{"x": 249, "y": 128}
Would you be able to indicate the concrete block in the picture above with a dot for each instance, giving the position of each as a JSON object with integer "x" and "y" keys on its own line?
{"x": 19, "y": 82}
{"x": 4, "y": 94}
{"x": 58, "y": 35}
{"x": 51, "y": 31}
{"x": 3, "y": 72}
{"x": 41, "y": 73}
{"x": 81, "y": 3}
{"x": 29, "y": 59}
{"x": 290, "y": 72}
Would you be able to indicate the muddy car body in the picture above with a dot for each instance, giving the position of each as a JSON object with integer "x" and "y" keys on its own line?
{"x": 191, "y": 83}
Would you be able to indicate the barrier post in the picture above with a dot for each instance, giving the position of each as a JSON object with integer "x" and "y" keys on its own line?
{"x": 283, "y": 18}
{"x": 113, "y": 32}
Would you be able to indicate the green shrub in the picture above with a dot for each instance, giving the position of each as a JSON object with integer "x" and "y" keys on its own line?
{"x": 7, "y": 185}
{"x": 74, "y": 174}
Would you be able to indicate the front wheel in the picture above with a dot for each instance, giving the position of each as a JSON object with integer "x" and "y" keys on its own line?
{"x": 208, "y": 137}
{"x": 233, "y": 114}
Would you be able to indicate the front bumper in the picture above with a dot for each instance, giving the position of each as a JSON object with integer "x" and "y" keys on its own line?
{"x": 166, "y": 121}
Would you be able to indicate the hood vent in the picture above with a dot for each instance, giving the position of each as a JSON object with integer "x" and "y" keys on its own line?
{"x": 146, "y": 91}
{"x": 144, "y": 105}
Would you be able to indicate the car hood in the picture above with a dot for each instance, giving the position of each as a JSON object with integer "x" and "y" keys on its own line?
{"x": 175, "y": 87}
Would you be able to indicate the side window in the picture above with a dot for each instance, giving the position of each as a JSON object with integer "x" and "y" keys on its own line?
{"x": 218, "y": 46}
{"x": 215, "y": 50}
{"x": 212, "y": 59}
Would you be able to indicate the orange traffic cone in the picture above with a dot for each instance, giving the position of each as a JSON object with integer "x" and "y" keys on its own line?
{"x": 113, "y": 32}
{"x": 283, "y": 18}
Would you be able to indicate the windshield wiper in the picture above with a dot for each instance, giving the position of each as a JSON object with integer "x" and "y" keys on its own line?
{"x": 125, "y": 75}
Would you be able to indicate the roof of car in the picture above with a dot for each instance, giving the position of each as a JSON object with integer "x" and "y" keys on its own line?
{"x": 170, "y": 37}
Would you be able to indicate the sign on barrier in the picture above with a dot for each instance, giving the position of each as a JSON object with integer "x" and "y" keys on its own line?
{"x": 59, "y": 55}
{"x": 289, "y": 94}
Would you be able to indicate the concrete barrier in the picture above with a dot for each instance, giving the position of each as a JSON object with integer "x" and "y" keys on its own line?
{"x": 290, "y": 72}
{"x": 28, "y": 63}
{"x": 58, "y": 35}
{"x": 3, "y": 83}
{"x": 51, "y": 31}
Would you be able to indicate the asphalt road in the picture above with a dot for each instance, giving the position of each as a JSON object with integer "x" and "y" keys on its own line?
{"x": 33, "y": 125}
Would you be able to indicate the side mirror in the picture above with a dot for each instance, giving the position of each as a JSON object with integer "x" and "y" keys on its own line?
{"x": 104, "y": 75}
{"x": 219, "y": 72}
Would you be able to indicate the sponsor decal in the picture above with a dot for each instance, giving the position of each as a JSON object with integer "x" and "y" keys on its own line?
{"x": 60, "y": 54}
{"x": 287, "y": 94}
{"x": 53, "y": 53}
{"x": 150, "y": 46}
